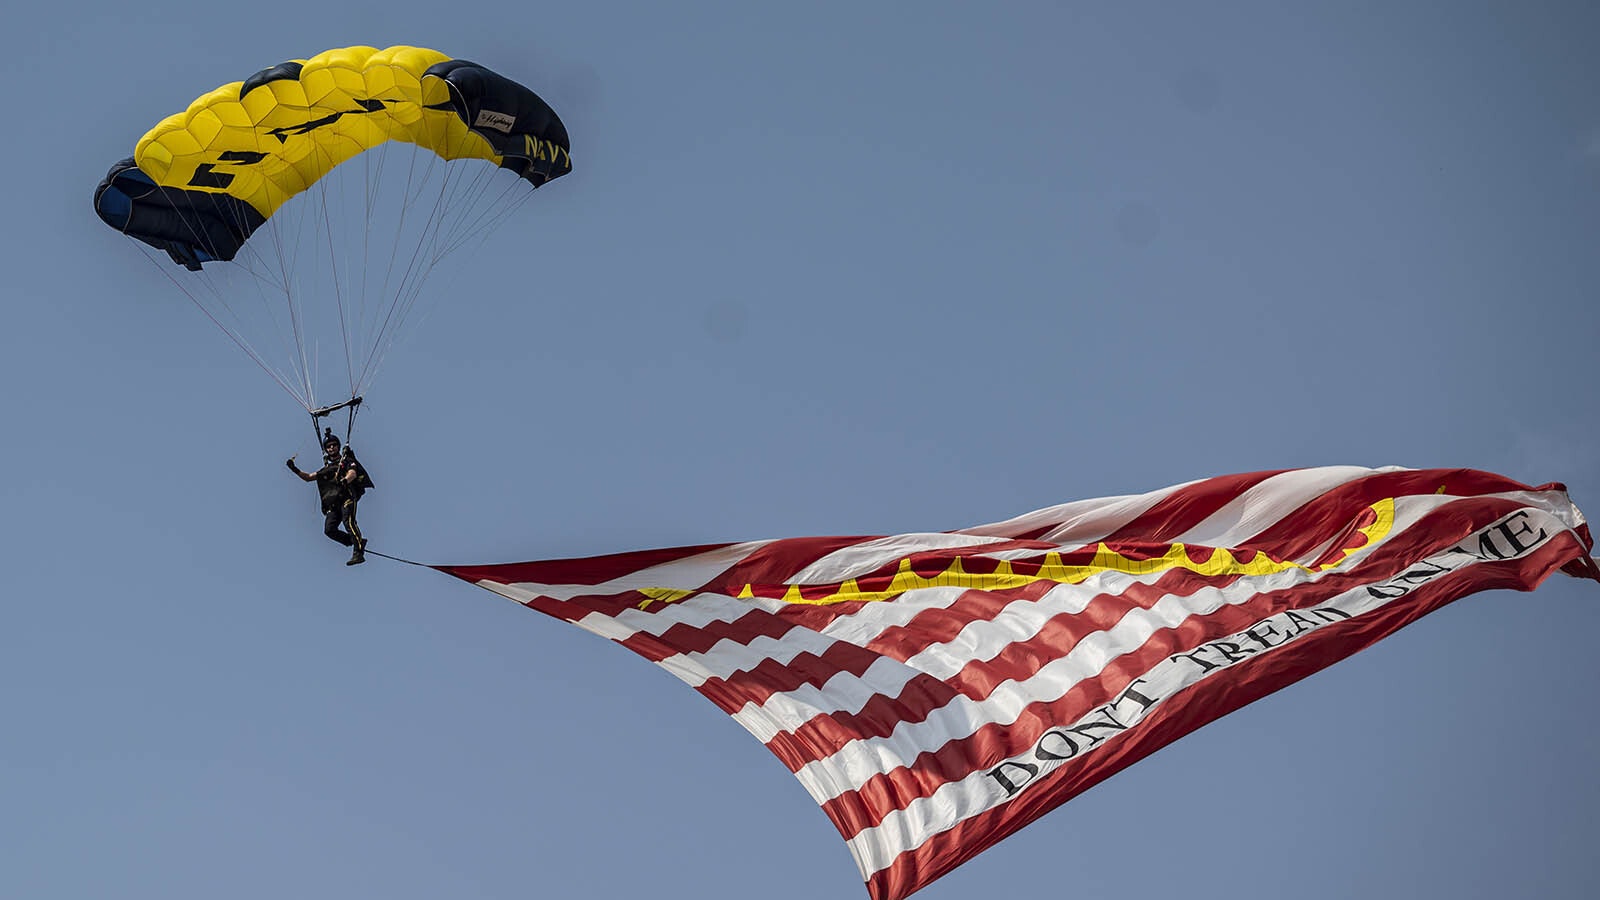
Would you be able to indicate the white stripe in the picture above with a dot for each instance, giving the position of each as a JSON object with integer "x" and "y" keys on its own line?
{"x": 1081, "y": 521}
{"x": 871, "y": 620}
{"x": 697, "y": 611}
{"x": 870, "y": 555}
{"x": 722, "y": 661}
{"x": 727, "y": 655}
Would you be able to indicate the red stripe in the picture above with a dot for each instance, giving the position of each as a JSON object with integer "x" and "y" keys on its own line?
{"x": 584, "y": 570}
{"x": 682, "y": 637}
{"x": 778, "y": 561}
{"x": 940, "y": 625}
{"x": 608, "y": 605}
{"x": 1203, "y": 703}
{"x": 754, "y": 623}
{"x": 771, "y": 677}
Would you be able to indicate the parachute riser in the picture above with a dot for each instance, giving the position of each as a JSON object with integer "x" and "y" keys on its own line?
{"x": 352, "y": 405}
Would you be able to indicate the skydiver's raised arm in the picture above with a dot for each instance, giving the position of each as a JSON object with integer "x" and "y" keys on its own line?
{"x": 304, "y": 476}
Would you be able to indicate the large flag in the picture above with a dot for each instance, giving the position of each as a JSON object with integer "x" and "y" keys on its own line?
{"x": 935, "y": 692}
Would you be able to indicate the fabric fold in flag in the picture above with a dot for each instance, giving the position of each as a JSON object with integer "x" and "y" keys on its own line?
{"x": 935, "y": 692}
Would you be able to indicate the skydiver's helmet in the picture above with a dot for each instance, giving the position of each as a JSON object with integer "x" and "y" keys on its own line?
{"x": 330, "y": 443}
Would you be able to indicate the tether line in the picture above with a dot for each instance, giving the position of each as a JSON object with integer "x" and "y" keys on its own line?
{"x": 409, "y": 562}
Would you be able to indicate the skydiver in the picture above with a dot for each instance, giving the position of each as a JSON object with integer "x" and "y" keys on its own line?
{"x": 340, "y": 483}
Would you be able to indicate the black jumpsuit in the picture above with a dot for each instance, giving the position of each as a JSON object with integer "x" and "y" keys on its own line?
{"x": 339, "y": 500}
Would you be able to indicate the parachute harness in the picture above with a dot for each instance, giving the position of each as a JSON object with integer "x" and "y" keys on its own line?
{"x": 353, "y": 405}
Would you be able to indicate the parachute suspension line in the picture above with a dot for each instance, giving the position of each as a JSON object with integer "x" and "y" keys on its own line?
{"x": 276, "y": 257}
{"x": 260, "y": 267}
{"x": 372, "y": 185}
{"x": 428, "y": 240}
{"x": 473, "y": 209}
{"x": 275, "y": 287}
{"x": 285, "y": 237}
{"x": 350, "y": 423}
{"x": 492, "y": 213}
{"x": 408, "y": 197}
{"x": 291, "y": 297}
{"x": 412, "y": 279}
{"x": 465, "y": 215}
{"x": 369, "y": 215}
{"x": 461, "y": 213}
{"x": 326, "y": 227}
{"x": 211, "y": 288}
{"x": 165, "y": 270}
{"x": 400, "y": 222}
{"x": 357, "y": 187}
{"x": 469, "y": 214}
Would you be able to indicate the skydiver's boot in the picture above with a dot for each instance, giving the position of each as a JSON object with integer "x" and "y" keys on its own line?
{"x": 359, "y": 556}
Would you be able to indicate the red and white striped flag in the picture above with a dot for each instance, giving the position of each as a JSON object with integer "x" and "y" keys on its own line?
{"x": 937, "y": 691}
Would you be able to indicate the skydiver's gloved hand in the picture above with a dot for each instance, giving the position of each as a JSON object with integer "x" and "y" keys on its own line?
{"x": 290, "y": 463}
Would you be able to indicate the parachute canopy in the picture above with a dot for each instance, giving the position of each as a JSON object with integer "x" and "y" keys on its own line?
{"x": 201, "y": 181}
{"x": 936, "y": 692}
{"x": 288, "y": 177}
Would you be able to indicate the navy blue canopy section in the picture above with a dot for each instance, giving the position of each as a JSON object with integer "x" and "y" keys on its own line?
{"x": 193, "y": 227}
{"x": 523, "y": 129}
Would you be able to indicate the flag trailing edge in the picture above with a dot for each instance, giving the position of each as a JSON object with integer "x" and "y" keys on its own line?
{"x": 935, "y": 692}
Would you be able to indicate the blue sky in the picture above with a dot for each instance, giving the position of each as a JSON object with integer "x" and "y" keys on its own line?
{"x": 824, "y": 268}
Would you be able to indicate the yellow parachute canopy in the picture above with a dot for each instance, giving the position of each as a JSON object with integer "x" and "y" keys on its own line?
{"x": 268, "y": 139}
